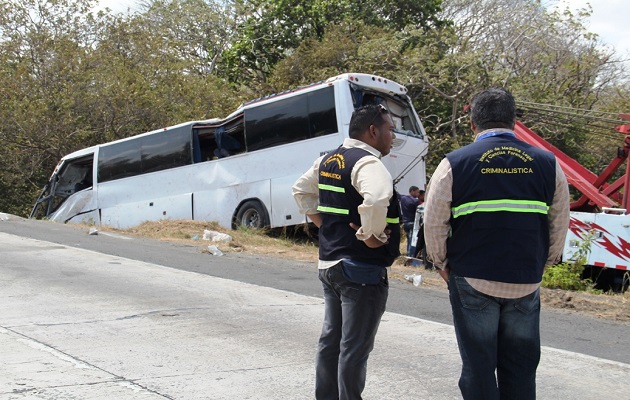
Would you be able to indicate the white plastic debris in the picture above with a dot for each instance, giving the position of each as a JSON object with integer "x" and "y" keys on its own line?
{"x": 415, "y": 279}
{"x": 214, "y": 250}
{"x": 93, "y": 231}
{"x": 216, "y": 236}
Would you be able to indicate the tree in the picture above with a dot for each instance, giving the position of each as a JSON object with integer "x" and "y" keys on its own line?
{"x": 141, "y": 82}
{"x": 42, "y": 46}
{"x": 541, "y": 56}
{"x": 71, "y": 79}
{"x": 350, "y": 45}
{"x": 275, "y": 28}
{"x": 198, "y": 31}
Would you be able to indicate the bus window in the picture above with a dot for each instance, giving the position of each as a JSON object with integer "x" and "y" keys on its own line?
{"x": 226, "y": 144}
{"x": 119, "y": 160}
{"x": 141, "y": 155}
{"x": 322, "y": 115}
{"x": 276, "y": 123}
{"x": 214, "y": 142}
{"x": 290, "y": 120}
{"x": 164, "y": 150}
{"x": 204, "y": 144}
{"x": 400, "y": 111}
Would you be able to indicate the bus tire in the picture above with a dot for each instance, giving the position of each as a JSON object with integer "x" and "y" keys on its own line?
{"x": 251, "y": 214}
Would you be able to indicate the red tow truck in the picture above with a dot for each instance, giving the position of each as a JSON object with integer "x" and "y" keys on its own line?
{"x": 601, "y": 214}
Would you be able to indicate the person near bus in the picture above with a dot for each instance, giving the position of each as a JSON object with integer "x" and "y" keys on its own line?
{"x": 496, "y": 213}
{"x": 350, "y": 196}
{"x": 408, "y": 206}
{"x": 417, "y": 242}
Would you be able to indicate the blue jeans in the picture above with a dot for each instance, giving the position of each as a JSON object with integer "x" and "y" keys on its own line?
{"x": 496, "y": 334}
{"x": 352, "y": 314}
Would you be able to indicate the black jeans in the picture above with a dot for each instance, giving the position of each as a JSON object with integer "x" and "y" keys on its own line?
{"x": 352, "y": 315}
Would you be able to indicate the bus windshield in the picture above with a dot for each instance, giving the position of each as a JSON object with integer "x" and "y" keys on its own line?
{"x": 403, "y": 115}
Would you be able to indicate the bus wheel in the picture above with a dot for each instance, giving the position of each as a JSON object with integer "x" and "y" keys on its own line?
{"x": 251, "y": 215}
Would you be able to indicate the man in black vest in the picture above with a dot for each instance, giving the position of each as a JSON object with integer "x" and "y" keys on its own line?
{"x": 496, "y": 213}
{"x": 350, "y": 196}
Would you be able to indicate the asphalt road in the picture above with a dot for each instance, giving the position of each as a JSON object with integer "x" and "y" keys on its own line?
{"x": 560, "y": 329}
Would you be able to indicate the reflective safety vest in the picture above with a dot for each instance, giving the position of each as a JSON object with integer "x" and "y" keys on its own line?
{"x": 502, "y": 191}
{"x": 339, "y": 202}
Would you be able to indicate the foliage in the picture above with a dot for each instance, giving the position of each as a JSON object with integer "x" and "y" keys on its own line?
{"x": 42, "y": 53}
{"x": 145, "y": 83}
{"x": 70, "y": 79}
{"x": 197, "y": 31}
{"x": 274, "y": 28}
{"x": 350, "y": 45}
{"x": 568, "y": 274}
{"x": 542, "y": 57}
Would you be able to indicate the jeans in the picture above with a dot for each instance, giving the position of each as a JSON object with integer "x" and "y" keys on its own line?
{"x": 352, "y": 314}
{"x": 496, "y": 334}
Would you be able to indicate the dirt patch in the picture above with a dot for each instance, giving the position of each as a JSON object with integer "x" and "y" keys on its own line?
{"x": 296, "y": 245}
{"x": 609, "y": 306}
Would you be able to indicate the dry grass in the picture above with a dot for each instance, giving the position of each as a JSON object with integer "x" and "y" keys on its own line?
{"x": 295, "y": 244}
{"x": 277, "y": 244}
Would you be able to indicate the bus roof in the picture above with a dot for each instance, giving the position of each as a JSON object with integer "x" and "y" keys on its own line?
{"x": 373, "y": 82}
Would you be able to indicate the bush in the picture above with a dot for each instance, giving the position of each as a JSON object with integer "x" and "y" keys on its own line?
{"x": 568, "y": 274}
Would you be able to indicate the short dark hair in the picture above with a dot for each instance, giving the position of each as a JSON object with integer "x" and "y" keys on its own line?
{"x": 493, "y": 108}
{"x": 365, "y": 116}
{"x": 412, "y": 188}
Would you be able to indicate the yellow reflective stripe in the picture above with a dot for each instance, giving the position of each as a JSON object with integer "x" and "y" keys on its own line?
{"x": 526, "y": 206}
{"x": 333, "y": 210}
{"x": 331, "y": 188}
{"x": 393, "y": 220}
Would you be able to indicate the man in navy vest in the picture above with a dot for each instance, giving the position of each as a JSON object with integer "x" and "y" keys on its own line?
{"x": 350, "y": 196}
{"x": 496, "y": 213}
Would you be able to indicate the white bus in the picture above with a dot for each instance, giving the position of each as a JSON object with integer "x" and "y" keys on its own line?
{"x": 237, "y": 171}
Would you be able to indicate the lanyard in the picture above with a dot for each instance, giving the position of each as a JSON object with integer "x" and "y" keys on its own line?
{"x": 492, "y": 134}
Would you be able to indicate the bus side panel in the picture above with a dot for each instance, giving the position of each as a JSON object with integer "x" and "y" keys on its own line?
{"x": 131, "y": 214}
{"x": 220, "y": 204}
{"x": 219, "y": 186}
{"x": 294, "y": 160}
{"x": 78, "y": 208}
{"x": 400, "y": 158}
{"x": 160, "y": 195}
{"x": 285, "y": 210}
{"x": 90, "y": 218}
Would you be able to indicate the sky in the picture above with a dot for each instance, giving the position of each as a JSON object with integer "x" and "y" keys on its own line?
{"x": 118, "y": 5}
{"x": 609, "y": 19}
